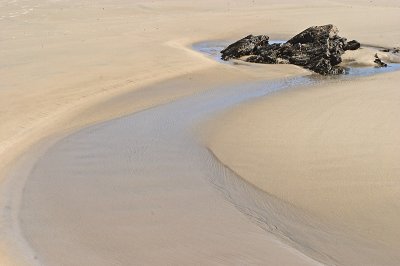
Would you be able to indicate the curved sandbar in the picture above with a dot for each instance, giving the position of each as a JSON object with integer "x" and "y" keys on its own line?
{"x": 331, "y": 151}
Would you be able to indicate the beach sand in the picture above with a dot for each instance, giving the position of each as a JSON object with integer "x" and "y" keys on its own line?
{"x": 139, "y": 190}
{"x": 68, "y": 64}
{"x": 330, "y": 151}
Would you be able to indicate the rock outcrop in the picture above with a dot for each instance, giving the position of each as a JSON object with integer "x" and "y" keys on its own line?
{"x": 244, "y": 46}
{"x": 317, "y": 48}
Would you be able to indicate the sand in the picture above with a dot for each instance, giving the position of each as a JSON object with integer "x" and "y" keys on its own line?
{"x": 70, "y": 64}
{"x": 141, "y": 190}
{"x": 330, "y": 151}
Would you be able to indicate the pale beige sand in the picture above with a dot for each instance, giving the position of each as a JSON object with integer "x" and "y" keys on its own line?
{"x": 58, "y": 56}
{"x": 60, "y": 59}
{"x": 14, "y": 244}
{"x": 331, "y": 151}
{"x": 135, "y": 191}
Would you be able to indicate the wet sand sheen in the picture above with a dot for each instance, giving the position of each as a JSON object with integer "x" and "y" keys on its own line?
{"x": 142, "y": 188}
{"x": 137, "y": 190}
{"x": 330, "y": 150}
{"x": 65, "y": 57}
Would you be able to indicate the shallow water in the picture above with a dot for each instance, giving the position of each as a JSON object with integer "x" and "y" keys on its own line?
{"x": 91, "y": 190}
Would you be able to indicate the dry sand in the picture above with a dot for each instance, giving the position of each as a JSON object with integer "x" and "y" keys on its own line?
{"x": 62, "y": 60}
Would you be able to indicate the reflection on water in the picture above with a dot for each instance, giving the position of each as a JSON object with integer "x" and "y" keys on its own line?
{"x": 212, "y": 48}
{"x": 366, "y": 71}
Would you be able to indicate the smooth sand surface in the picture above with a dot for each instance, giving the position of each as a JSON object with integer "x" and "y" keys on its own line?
{"x": 62, "y": 60}
{"x": 331, "y": 151}
{"x": 13, "y": 186}
{"x": 140, "y": 190}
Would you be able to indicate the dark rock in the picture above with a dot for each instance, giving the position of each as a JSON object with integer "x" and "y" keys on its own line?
{"x": 316, "y": 34}
{"x": 317, "y": 48}
{"x": 352, "y": 45}
{"x": 379, "y": 62}
{"x": 387, "y": 50}
{"x": 243, "y": 47}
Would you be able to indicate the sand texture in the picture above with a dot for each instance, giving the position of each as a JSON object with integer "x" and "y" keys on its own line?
{"x": 66, "y": 65}
{"x": 330, "y": 151}
{"x": 140, "y": 190}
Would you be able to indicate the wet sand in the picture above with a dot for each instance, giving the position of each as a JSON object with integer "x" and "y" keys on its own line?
{"x": 144, "y": 189}
{"x": 141, "y": 189}
{"x": 330, "y": 151}
{"x": 13, "y": 186}
{"x": 71, "y": 64}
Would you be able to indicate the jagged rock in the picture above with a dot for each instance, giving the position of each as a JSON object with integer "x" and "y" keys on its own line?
{"x": 317, "y": 48}
{"x": 379, "y": 62}
{"x": 243, "y": 47}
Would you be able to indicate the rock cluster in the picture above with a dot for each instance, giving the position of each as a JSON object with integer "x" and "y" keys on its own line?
{"x": 317, "y": 48}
